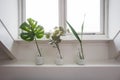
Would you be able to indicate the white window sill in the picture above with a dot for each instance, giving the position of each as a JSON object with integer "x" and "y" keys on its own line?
{"x": 104, "y": 63}
{"x": 86, "y": 37}
{"x": 71, "y": 39}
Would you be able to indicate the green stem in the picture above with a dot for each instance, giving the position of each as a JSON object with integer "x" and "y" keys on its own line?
{"x": 82, "y": 55}
{"x": 38, "y": 47}
{"x": 79, "y": 54}
{"x": 59, "y": 51}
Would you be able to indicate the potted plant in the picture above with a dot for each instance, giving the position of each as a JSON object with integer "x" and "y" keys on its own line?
{"x": 54, "y": 40}
{"x": 30, "y": 31}
{"x": 80, "y": 59}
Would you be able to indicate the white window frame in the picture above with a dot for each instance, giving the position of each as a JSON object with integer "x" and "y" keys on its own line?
{"x": 63, "y": 15}
{"x": 104, "y": 17}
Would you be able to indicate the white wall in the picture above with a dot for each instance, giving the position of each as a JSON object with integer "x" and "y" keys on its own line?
{"x": 114, "y": 26}
{"x": 95, "y": 52}
{"x": 5, "y": 38}
{"x": 9, "y": 15}
{"x": 6, "y": 43}
{"x": 95, "y": 68}
{"x": 114, "y": 17}
{"x": 60, "y": 73}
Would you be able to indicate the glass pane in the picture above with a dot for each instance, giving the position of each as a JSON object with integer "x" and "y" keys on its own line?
{"x": 76, "y": 9}
{"x": 44, "y": 11}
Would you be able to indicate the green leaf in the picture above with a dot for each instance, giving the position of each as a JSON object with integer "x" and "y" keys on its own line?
{"x": 30, "y": 30}
{"x": 31, "y": 22}
{"x": 82, "y": 28}
{"x": 27, "y": 36}
{"x": 25, "y": 27}
{"x": 39, "y": 36}
{"x": 74, "y": 32}
{"x": 38, "y": 29}
{"x": 81, "y": 55}
{"x": 47, "y": 35}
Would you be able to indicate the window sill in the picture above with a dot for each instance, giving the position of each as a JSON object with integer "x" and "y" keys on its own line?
{"x": 104, "y": 63}
{"x": 71, "y": 39}
{"x": 87, "y": 37}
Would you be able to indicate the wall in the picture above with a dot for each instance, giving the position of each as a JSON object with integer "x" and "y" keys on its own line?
{"x": 114, "y": 17}
{"x": 9, "y": 15}
{"x": 95, "y": 52}
{"x": 114, "y": 27}
{"x": 60, "y": 73}
{"x": 5, "y": 38}
{"x": 96, "y": 65}
{"x": 8, "y": 19}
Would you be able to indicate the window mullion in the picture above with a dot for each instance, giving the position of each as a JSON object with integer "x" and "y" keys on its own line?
{"x": 21, "y": 11}
{"x": 62, "y": 13}
{"x": 104, "y": 17}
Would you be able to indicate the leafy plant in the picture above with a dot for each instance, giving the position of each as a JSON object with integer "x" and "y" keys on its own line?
{"x": 30, "y": 31}
{"x": 55, "y": 38}
{"x": 81, "y": 54}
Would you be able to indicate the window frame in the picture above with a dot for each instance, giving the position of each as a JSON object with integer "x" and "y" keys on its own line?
{"x": 62, "y": 4}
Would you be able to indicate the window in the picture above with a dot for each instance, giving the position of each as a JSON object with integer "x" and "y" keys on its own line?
{"x": 51, "y": 13}
{"x": 44, "y": 11}
{"x": 76, "y": 9}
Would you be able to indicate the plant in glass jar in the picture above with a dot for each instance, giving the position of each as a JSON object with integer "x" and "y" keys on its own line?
{"x": 80, "y": 59}
{"x": 31, "y": 31}
{"x": 54, "y": 40}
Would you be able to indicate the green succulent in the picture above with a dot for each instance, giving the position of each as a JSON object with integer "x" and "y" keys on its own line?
{"x": 30, "y": 31}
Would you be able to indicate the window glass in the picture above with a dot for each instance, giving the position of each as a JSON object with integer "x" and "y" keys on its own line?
{"x": 44, "y": 11}
{"x": 76, "y": 9}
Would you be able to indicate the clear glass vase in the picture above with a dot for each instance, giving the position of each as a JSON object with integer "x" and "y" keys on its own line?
{"x": 59, "y": 60}
{"x": 80, "y": 58}
{"x": 80, "y": 61}
{"x": 39, "y": 60}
